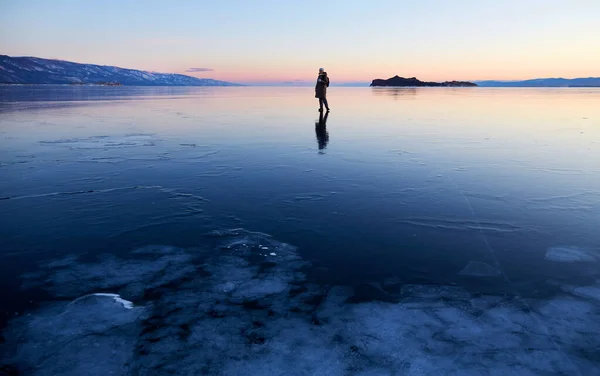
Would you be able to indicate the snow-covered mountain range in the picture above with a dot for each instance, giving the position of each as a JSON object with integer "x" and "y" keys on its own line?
{"x": 34, "y": 70}
{"x": 545, "y": 82}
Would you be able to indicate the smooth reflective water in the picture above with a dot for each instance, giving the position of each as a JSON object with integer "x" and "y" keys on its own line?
{"x": 413, "y": 231}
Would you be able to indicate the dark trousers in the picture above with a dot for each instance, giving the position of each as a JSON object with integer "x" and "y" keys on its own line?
{"x": 323, "y": 101}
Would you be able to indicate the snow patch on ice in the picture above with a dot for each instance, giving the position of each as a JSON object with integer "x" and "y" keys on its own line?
{"x": 570, "y": 254}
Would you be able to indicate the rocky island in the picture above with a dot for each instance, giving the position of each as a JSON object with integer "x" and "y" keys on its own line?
{"x": 413, "y": 81}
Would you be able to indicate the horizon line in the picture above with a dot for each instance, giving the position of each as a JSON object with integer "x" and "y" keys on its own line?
{"x": 290, "y": 82}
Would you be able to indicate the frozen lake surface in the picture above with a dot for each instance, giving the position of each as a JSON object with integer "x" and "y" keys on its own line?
{"x": 231, "y": 231}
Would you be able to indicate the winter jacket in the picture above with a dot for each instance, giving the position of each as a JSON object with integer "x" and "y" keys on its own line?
{"x": 322, "y": 85}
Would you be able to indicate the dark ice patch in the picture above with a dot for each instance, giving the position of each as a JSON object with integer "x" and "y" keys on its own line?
{"x": 480, "y": 269}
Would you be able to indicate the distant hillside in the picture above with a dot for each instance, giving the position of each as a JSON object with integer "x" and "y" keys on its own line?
{"x": 545, "y": 82}
{"x": 33, "y": 70}
{"x": 401, "y": 81}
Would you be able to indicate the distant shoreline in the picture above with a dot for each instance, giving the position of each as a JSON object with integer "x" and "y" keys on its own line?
{"x": 2, "y": 84}
{"x": 120, "y": 85}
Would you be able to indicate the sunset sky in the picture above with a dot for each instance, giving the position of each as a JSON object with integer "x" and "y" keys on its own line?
{"x": 275, "y": 41}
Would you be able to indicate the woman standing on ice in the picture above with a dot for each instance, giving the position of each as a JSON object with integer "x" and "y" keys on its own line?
{"x": 321, "y": 89}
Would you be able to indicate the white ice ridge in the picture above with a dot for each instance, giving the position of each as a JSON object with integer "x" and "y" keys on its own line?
{"x": 570, "y": 254}
{"x": 116, "y": 297}
{"x": 126, "y": 303}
